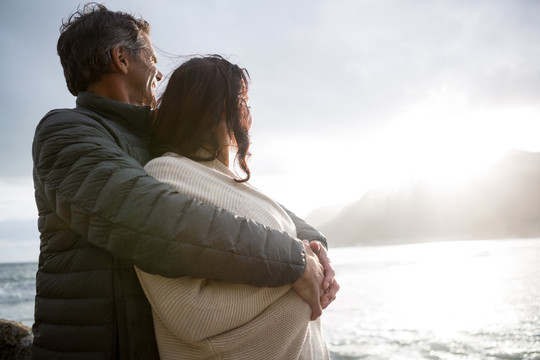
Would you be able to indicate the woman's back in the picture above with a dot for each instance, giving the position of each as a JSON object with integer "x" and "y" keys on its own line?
{"x": 205, "y": 319}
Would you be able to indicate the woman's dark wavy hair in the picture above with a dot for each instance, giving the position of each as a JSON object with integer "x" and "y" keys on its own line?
{"x": 87, "y": 38}
{"x": 188, "y": 113}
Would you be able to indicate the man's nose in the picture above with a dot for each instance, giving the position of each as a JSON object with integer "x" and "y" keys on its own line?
{"x": 159, "y": 76}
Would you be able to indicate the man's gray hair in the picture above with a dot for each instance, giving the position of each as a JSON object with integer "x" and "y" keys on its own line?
{"x": 87, "y": 39}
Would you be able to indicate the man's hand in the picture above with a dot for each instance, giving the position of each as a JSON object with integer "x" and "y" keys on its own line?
{"x": 330, "y": 286}
{"x": 309, "y": 286}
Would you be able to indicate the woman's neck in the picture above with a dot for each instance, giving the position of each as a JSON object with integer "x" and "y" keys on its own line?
{"x": 223, "y": 156}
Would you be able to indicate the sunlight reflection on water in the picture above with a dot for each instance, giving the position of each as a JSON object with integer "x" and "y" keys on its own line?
{"x": 447, "y": 300}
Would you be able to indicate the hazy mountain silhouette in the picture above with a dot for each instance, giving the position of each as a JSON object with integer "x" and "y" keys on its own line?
{"x": 503, "y": 201}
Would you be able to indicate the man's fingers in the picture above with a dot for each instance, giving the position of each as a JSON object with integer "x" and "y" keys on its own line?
{"x": 319, "y": 267}
{"x": 327, "y": 302}
{"x": 332, "y": 290}
{"x": 315, "y": 247}
{"x": 329, "y": 272}
{"x": 329, "y": 295}
{"x": 308, "y": 287}
{"x": 329, "y": 276}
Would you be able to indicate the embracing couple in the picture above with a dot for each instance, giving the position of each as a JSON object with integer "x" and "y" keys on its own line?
{"x": 151, "y": 246}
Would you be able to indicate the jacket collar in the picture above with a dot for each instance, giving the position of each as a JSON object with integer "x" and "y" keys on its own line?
{"x": 137, "y": 118}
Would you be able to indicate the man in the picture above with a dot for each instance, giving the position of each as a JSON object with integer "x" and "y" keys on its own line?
{"x": 100, "y": 213}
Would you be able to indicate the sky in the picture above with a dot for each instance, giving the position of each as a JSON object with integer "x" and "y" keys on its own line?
{"x": 346, "y": 95}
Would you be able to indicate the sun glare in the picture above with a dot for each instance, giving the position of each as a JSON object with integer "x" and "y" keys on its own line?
{"x": 451, "y": 288}
{"x": 443, "y": 142}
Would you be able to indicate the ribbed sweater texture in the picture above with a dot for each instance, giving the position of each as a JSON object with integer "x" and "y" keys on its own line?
{"x": 206, "y": 319}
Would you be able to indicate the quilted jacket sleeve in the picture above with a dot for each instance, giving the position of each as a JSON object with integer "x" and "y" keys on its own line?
{"x": 305, "y": 231}
{"x": 104, "y": 195}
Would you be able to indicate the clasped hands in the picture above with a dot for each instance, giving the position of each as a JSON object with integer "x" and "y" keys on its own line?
{"x": 317, "y": 286}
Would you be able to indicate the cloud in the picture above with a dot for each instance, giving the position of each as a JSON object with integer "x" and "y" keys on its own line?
{"x": 17, "y": 199}
{"x": 19, "y": 241}
{"x": 329, "y": 76}
{"x": 19, "y": 231}
{"x": 32, "y": 81}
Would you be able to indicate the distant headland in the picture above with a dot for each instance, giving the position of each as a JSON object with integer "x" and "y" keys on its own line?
{"x": 502, "y": 201}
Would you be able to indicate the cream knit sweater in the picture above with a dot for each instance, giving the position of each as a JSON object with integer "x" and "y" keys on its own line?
{"x": 205, "y": 319}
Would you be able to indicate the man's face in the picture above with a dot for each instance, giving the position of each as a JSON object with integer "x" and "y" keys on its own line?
{"x": 144, "y": 75}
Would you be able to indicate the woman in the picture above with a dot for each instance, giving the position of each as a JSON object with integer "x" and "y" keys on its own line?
{"x": 202, "y": 114}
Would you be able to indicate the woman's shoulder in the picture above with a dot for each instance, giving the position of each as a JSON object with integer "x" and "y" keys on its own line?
{"x": 177, "y": 166}
{"x": 169, "y": 165}
{"x": 169, "y": 159}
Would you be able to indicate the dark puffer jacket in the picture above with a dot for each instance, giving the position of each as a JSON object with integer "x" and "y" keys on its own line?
{"x": 100, "y": 213}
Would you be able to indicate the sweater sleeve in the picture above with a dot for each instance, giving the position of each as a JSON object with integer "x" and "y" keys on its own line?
{"x": 196, "y": 309}
{"x": 106, "y": 197}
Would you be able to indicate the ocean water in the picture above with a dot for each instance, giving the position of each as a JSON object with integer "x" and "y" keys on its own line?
{"x": 17, "y": 292}
{"x": 445, "y": 300}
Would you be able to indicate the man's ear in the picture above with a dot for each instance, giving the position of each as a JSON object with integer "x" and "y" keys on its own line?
{"x": 120, "y": 60}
